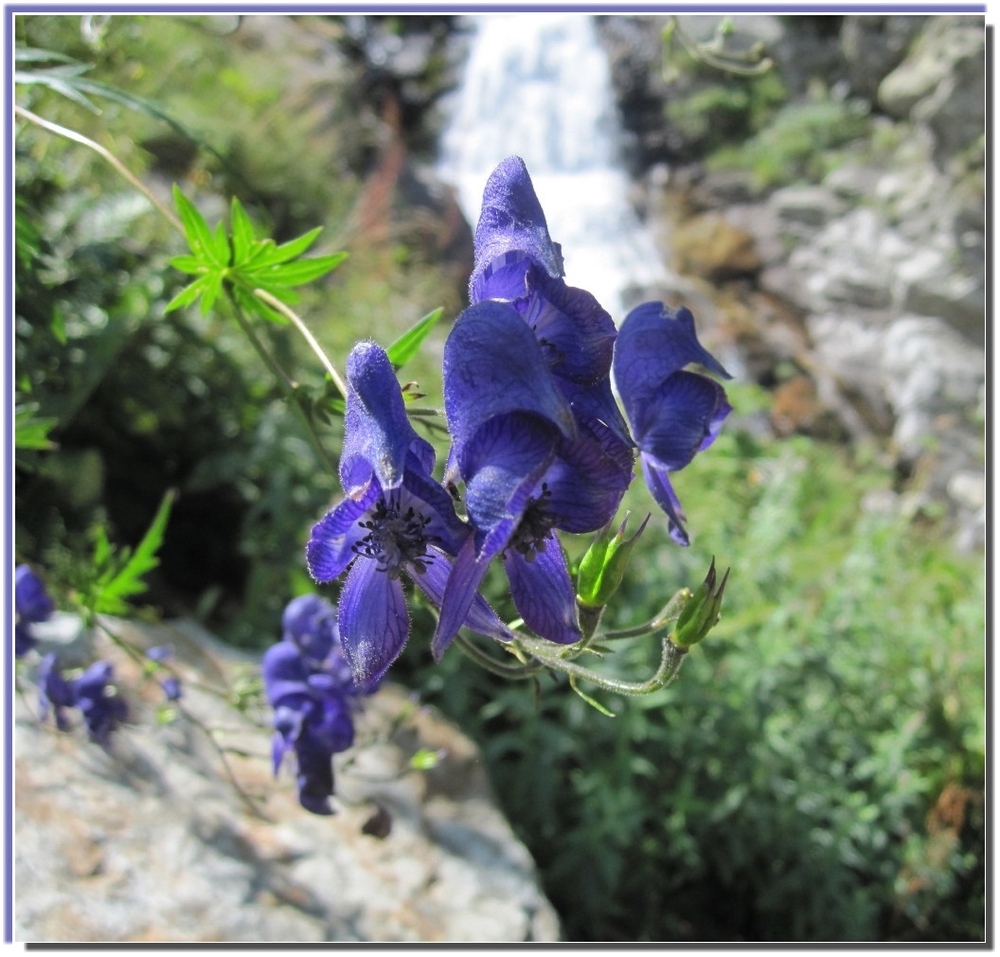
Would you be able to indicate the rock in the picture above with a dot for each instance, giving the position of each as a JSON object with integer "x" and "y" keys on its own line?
{"x": 808, "y": 205}
{"x": 947, "y": 41}
{"x": 709, "y": 246}
{"x": 873, "y": 46}
{"x": 933, "y": 380}
{"x": 151, "y": 841}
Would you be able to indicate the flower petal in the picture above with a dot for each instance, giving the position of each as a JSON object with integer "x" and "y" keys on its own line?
{"x": 494, "y": 365}
{"x": 577, "y": 334}
{"x": 331, "y": 543}
{"x": 543, "y": 592}
{"x": 374, "y": 623}
{"x": 377, "y": 433}
{"x": 680, "y": 418}
{"x": 512, "y": 219}
{"x": 658, "y": 481}
{"x": 652, "y": 344}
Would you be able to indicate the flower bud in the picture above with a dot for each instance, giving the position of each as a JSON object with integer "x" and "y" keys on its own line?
{"x": 701, "y": 613}
{"x": 603, "y": 566}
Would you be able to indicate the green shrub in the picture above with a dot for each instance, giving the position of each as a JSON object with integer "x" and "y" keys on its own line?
{"x": 794, "y": 782}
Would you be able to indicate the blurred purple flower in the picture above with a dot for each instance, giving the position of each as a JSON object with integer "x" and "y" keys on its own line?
{"x": 32, "y": 604}
{"x": 312, "y": 696}
{"x": 102, "y": 708}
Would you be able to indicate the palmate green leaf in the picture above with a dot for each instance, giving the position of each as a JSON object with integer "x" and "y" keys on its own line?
{"x": 291, "y": 249}
{"x": 408, "y": 344}
{"x": 189, "y": 264}
{"x": 127, "y": 581}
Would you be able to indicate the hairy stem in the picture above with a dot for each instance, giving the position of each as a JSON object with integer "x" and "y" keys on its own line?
{"x": 514, "y": 672}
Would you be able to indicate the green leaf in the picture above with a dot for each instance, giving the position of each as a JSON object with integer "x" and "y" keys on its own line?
{"x": 220, "y": 245}
{"x": 32, "y": 433}
{"x": 128, "y": 580}
{"x": 593, "y": 702}
{"x": 297, "y": 273}
{"x": 244, "y": 239}
{"x": 189, "y": 264}
{"x": 213, "y": 290}
{"x": 291, "y": 249}
{"x": 188, "y": 294}
{"x": 408, "y": 344}
{"x": 199, "y": 236}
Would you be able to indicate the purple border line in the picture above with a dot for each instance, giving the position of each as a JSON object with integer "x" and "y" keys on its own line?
{"x": 461, "y": 8}
{"x": 8, "y": 445}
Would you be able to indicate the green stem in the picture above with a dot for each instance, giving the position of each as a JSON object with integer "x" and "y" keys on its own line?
{"x": 287, "y": 386}
{"x": 515, "y": 672}
{"x": 279, "y": 306}
{"x": 670, "y": 663}
{"x": 667, "y": 614}
{"x": 105, "y": 154}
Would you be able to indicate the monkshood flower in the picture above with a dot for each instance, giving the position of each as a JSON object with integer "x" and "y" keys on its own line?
{"x": 102, "y": 708}
{"x": 517, "y": 262}
{"x": 394, "y": 520}
{"x": 308, "y": 683}
{"x": 673, "y": 413}
{"x": 32, "y": 604}
{"x": 529, "y": 469}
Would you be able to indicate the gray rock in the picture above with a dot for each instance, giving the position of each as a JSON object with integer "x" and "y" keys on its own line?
{"x": 810, "y": 205}
{"x": 875, "y": 45}
{"x": 947, "y": 41}
{"x": 151, "y": 841}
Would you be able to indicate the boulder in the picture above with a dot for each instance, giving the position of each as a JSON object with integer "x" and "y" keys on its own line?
{"x": 179, "y": 833}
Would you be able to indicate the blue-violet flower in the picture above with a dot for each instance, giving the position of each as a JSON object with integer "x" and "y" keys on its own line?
{"x": 33, "y": 604}
{"x": 395, "y": 519}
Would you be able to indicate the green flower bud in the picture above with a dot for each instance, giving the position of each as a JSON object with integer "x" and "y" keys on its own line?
{"x": 701, "y": 613}
{"x": 603, "y": 566}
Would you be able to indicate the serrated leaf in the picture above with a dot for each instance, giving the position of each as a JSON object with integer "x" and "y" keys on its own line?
{"x": 189, "y": 264}
{"x": 188, "y": 294}
{"x": 199, "y": 236}
{"x": 243, "y": 234}
{"x": 408, "y": 344}
{"x": 213, "y": 290}
{"x": 291, "y": 249}
{"x": 296, "y": 273}
{"x": 220, "y": 245}
{"x": 128, "y": 580}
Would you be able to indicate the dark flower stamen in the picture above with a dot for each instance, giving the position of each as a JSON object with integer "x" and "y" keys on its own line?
{"x": 395, "y": 540}
{"x": 535, "y": 527}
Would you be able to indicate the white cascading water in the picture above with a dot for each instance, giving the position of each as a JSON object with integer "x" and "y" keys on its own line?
{"x": 538, "y": 85}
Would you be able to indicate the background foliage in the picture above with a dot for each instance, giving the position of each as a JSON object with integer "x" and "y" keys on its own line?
{"x": 817, "y": 771}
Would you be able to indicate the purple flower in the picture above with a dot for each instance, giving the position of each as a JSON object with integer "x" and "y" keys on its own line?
{"x": 172, "y": 688}
{"x": 395, "y": 519}
{"x": 33, "y": 604}
{"x": 102, "y": 709}
{"x": 530, "y": 467}
{"x": 312, "y": 698}
{"x": 673, "y": 413}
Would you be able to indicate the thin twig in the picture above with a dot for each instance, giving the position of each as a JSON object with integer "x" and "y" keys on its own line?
{"x": 279, "y": 306}
{"x": 105, "y": 154}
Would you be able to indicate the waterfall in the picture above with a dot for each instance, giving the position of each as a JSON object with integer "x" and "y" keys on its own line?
{"x": 539, "y": 85}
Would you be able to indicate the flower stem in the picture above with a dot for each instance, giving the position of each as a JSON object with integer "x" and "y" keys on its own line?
{"x": 290, "y": 315}
{"x": 105, "y": 154}
{"x": 668, "y": 613}
{"x": 287, "y": 386}
{"x": 490, "y": 663}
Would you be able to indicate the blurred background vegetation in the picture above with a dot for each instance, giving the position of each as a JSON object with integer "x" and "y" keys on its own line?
{"x": 817, "y": 771}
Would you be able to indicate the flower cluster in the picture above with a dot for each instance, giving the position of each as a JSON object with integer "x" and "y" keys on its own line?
{"x": 32, "y": 604}
{"x": 92, "y": 692}
{"x": 539, "y": 443}
{"x": 308, "y": 683}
